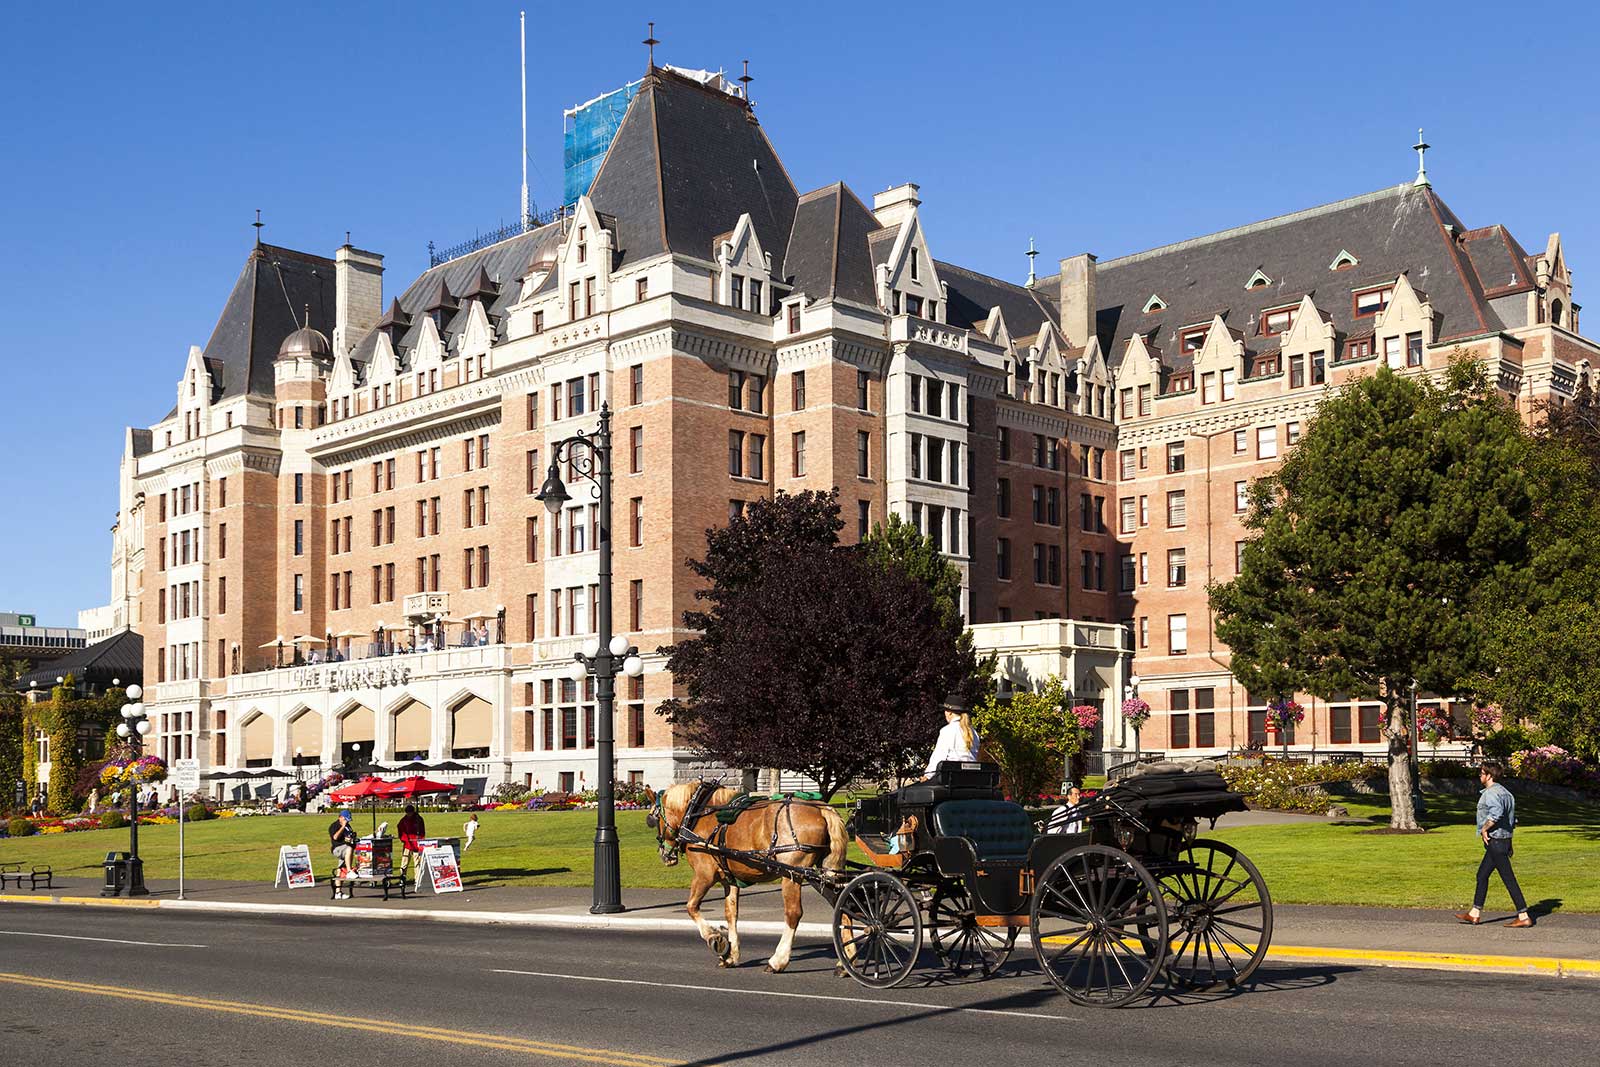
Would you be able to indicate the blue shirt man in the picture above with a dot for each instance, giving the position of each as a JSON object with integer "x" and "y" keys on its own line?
{"x": 1497, "y": 818}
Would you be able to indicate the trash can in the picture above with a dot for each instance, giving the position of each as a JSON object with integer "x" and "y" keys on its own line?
{"x": 116, "y": 874}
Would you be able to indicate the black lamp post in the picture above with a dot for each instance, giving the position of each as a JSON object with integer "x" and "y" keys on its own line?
{"x": 133, "y": 728}
{"x": 608, "y": 653}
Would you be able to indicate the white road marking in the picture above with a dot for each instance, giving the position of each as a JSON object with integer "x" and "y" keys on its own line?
{"x": 796, "y": 996}
{"x": 107, "y": 940}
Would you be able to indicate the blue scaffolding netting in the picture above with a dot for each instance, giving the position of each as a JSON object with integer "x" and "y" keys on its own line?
{"x": 589, "y": 129}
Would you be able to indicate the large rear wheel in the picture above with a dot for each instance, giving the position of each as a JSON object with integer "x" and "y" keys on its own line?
{"x": 877, "y": 930}
{"x": 961, "y": 943}
{"x": 1220, "y": 913}
{"x": 1099, "y": 926}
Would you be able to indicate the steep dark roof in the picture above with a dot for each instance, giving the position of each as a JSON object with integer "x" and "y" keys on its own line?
{"x": 1497, "y": 258}
{"x": 973, "y": 294}
{"x": 265, "y": 307}
{"x": 1393, "y": 231}
{"x": 686, "y": 162}
{"x": 828, "y": 254}
{"x": 120, "y": 656}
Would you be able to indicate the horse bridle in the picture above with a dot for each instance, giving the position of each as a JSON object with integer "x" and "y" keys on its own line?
{"x": 697, "y": 807}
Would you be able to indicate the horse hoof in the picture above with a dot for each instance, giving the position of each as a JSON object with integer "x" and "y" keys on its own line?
{"x": 839, "y": 971}
{"x": 720, "y": 945}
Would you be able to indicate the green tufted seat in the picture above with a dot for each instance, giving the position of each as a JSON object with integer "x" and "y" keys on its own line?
{"x": 999, "y": 830}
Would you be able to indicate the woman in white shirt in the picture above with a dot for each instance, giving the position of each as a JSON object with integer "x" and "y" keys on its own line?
{"x": 958, "y": 742}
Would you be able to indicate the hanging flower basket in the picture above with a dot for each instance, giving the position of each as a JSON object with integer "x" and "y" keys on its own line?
{"x": 1135, "y": 712}
{"x": 1087, "y": 716}
{"x": 124, "y": 771}
{"x": 1283, "y": 715}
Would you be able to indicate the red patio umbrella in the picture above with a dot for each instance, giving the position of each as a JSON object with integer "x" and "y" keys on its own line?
{"x": 416, "y": 786}
{"x": 366, "y": 789}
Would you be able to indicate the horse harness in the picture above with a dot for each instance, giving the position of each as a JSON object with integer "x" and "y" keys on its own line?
{"x": 715, "y": 846}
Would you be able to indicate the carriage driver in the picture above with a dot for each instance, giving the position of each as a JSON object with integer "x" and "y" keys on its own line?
{"x": 958, "y": 742}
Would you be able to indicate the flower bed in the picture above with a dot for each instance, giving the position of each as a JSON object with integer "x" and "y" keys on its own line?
{"x": 1554, "y": 765}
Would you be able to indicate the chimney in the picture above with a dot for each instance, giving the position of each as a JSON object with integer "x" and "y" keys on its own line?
{"x": 358, "y": 285}
{"x": 894, "y": 206}
{"x": 1077, "y": 299}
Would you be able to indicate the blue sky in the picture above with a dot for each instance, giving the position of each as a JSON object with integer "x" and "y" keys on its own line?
{"x": 140, "y": 139}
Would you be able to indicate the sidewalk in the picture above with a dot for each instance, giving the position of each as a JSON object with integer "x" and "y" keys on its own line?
{"x": 1561, "y": 944}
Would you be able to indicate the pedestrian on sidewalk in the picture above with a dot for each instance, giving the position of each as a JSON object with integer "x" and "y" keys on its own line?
{"x": 470, "y": 829}
{"x": 1497, "y": 818}
{"x": 411, "y": 828}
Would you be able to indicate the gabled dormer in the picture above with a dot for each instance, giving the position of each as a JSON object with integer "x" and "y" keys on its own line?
{"x": 584, "y": 267}
{"x": 1219, "y": 362}
{"x": 1138, "y": 378}
{"x": 1554, "y": 283}
{"x": 744, "y": 270}
{"x": 1094, "y": 381}
{"x": 383, "y": 369}
{"x": 342, "y": 379}
{"x": 906, "y": 279}
{"x": 1404, "y": 329}
{"x": 195, "y": 390}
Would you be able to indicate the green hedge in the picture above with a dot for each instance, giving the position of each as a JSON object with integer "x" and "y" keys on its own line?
{"x": 1295, "y": 786}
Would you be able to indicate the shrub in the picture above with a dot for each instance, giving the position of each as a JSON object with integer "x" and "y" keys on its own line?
{"x": 1510, "y": 739}
{"x": 112, "y": 820}
{"x": 1294, "y": 786}
{"x": 198, "y": 813}
{"x": 20, "y": 827}
{"x": 1554, "y": 765}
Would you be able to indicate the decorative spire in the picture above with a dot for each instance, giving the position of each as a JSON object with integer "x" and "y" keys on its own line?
{"x": 258, "y": 224}
{"x": 308, "y": 316}
{"x": 1421, "y": 149}
{"x": 650, "y": 42}
{"x": 1032, "y": 253}
{"x": 745, "y": 79}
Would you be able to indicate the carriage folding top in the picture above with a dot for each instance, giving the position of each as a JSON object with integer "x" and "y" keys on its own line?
{"x": 1133, "y": 896}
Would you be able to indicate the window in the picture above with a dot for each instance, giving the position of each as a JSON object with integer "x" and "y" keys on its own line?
{"x": 1413, "y": 350}
{"x": 1127, "y": 404}
{"x": 1127, "y": 517}
{"x": 1125, "y": 570}
{"x": 636, "y": 449}
{"x": 1144, "y": 400}
{"x": 862, "y": 389}
{"x": 1267, "y": 442}
{"x": 1002, "y": 558}
{"x": 1125, "y": 463}
{"x": 1192, "y": 339}
{"x": 1053, "y": 574}
{"x": 588, "y": 296}
{"x": 736, "y": 293}
{"x": 1339, "y": 725}
{"x": 1291, "y": 433}
{"x": 1177, "y": 567}
{"x": 1004, "y": 435}
{"x": 1275, "y": 322}
{"x": 222, "y": 540}
{"x": 299, "y": 537}
{"x": 533, "y": 538}
{"x": 794, "y": 317}
{"x": 797, "y": 385}
{"x": 1238, "y": 556}
{"x": 1180, "y": 726}
{"x": 300, "y": 488}
{"x": 916, "y": 455}
{"x": 755, "y": 295}
{"x": 299, "y": 592}
{"x": 222, "y": 492}
{"x": 1087, "y": 569}
{"x": 636, "y": 604}
{"x": 1086, "y": 512}
{"x": 1144, "y": 510}
{"x": 863, "y": 454}
{"x": 1038, "y": 564}
{"x": 636, "y": 383}
{"x": 1391, "y": 351}
{"x": 736, "y": 453}
{"x": 1208, "y": 388}
{"x": 758, "y": 393}
{"x": 636, "y": 521}
{"x": 758, "y": 456}
{"x": 1297, "y": 371}
{"x": 935, "y": 397}
{"x": 1174, "y": 457}
{"x": 1144, "y": 631}
{"x": 641, "y": 289}
{"x": 935, "y": 469}
{"x": 1177, "y": 634}
{"x": 222, "y": 596}
{"x": 1372, "y": 301}
{"x": 1227, "y": 380}
{"x": 863, "y": 518}
{"x": 538, "y": 322}
{"x": 1177, "y": 509}
{"x": 1358, "y": 349}
{"x": 798, "y": 451}
{"x": 1371, "y": 723}
{"x": 736, "y": 389}
{"x": 1002, "y": 498}
{"x": 1241, "y": 497}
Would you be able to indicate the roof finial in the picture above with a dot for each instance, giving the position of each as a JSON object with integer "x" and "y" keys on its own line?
{"x": 1032, "y": 254}
{"x": 308, "y": 315}
{"x": 745, "y": 79}
{"x": 1421, "y": 149}
{"x": 258, "y": 224}
{"x": 347, "y": 238}
{"x": 650, "y": 42}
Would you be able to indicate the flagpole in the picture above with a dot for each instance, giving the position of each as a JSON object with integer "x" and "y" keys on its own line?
{"x": 522, "y": 26}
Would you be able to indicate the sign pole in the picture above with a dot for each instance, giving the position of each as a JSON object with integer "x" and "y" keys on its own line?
{"x": 180, "y": 844}
{"x": 186, "y": 778}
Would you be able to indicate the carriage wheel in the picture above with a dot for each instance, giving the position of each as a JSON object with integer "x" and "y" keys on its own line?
{"x": 958, "y": 939}
{"x": 1220, "y": 913}
{"x": 877, "y": 930}
{"x": 1099, "y": 926}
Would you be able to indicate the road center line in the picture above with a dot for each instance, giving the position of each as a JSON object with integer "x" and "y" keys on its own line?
{"x": 107, "y": 940}
{"x": 797, "y": 996}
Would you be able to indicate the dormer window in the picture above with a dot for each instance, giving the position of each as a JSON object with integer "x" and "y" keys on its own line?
{"x": 1277, "y": 321}
{"x": 913, "y": 305}
{"x": 755, "y": 295}
{"x": 1154, "y": 304}
{"x": 1192, "y": 339}
{"x": 1372, "y": 301}
{"x": 1343, "y": 261}
{"x": 736, "y": 296}
{"x": 1258, "y": 280}
{"x": 895, "y": 302}
{"x": 583, "y": 244}
{"x": 916, "y": 262}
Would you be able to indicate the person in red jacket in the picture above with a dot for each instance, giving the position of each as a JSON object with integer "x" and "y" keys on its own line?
{"x": 412, "y": 829}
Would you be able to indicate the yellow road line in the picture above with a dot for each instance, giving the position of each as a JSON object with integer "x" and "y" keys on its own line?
{"x": 391, "y": 1028}
{"x": 99, "y": 902}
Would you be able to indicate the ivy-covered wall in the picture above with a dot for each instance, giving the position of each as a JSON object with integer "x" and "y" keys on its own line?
{"x": 60, "y": 718}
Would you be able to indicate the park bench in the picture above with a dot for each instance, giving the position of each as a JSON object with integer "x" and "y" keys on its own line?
{"x": 39, "y": 872}
{"x": 384, "y": 882}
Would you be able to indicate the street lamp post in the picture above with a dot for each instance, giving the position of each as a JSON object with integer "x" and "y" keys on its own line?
{"x": 134, "y": 726}
{"x": 589, "y": 456}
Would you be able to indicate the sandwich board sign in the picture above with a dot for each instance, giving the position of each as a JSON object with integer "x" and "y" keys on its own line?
{"x": 442, "y": 869}
{"x": 294, "y": 867}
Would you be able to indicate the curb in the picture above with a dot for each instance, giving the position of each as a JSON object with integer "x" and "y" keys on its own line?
{"x": 1540, "y": 966}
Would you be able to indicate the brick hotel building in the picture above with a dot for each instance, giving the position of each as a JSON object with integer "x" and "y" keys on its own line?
{"x": 343, "y": 469}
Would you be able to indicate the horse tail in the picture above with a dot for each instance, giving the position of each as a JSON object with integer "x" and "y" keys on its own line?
{"x": 838, "y": 838}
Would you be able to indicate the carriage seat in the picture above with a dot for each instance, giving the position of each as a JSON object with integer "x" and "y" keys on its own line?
{"x": 999, "y": 830}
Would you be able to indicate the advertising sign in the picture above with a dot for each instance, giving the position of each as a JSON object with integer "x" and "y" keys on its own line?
{"x": 294, "y": 867}
{"x": 442, "y": 869}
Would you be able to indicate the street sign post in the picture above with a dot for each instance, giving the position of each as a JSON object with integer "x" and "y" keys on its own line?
{"x": 186, "y": 779}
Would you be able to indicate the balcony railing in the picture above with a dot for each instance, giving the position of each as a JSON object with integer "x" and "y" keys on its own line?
{"x": 372, "y": 672}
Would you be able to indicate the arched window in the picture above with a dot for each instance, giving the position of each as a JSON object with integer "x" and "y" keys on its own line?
{"x": 1556, "y": 308}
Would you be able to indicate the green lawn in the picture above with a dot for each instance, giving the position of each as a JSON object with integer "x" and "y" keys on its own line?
{"x": 1557, "y": 856}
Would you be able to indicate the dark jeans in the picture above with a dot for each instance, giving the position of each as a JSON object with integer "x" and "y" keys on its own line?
{"x": 1497, "y": 857}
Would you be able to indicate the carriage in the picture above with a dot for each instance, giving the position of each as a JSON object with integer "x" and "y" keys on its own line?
{"x": 1131, "y": 895}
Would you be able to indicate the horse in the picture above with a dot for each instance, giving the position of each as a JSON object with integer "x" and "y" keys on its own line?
{"x": 794, "y": 832}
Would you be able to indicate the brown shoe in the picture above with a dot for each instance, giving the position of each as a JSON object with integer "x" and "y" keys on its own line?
{"x": 1469, "y": 918}
{"x": 1520, "y": 924}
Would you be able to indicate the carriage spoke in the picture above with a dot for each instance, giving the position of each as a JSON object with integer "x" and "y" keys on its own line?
{"x": 1222, "y": 879}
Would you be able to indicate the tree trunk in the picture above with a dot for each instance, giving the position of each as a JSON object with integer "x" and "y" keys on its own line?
{"x": 1402, "y": 812}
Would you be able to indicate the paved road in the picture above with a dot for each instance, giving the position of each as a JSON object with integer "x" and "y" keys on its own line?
{"x": 196, "y": 990}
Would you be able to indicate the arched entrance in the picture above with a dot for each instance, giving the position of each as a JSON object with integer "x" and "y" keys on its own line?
{"x": 413, "y": 730}
{"x": 357, "y": 735}
{"x": 255, "y": 741}
{"x": 471, "y": 729}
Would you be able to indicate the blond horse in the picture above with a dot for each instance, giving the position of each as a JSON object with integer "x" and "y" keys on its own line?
{"x": 796, "y": 833}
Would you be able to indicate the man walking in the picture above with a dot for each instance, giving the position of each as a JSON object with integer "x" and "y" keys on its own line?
{"x": 1497, "y": 818}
